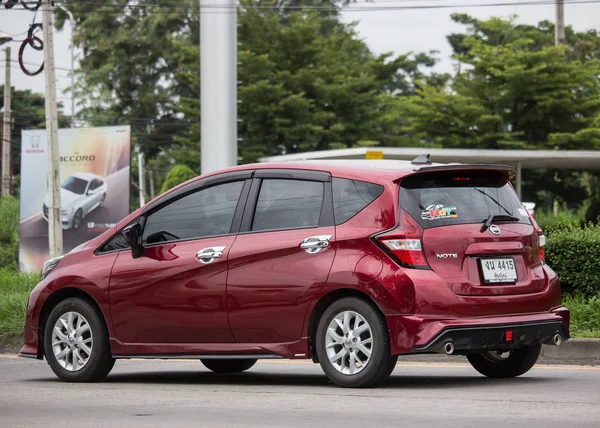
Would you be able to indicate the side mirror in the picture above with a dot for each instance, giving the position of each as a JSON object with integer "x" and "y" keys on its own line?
{"x": 133, "y": 237}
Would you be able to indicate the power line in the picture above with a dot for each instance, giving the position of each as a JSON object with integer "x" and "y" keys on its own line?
{"x": 221, "y": 9}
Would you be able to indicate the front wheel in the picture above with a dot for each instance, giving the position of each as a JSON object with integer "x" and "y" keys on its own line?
{"x": 353, "y": 344}
{"x": 76, "y": 342}
{"x": 502, "y": 364}
{"x": 77, "y": 219}
{"x": 228, "y": 366}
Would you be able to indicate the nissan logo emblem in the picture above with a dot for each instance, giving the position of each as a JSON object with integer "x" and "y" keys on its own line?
{"x": 495, "y": 229}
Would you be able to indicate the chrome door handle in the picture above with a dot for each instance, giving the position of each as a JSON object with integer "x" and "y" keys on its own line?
{"x": 314, "y": 244}
{"x": 208, "y": 255}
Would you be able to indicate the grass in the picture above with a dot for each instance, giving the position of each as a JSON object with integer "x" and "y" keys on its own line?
{"x": 546, "y": 219}
{"x": 15, "y": 288}
{"x": 585, "y": 315}
{"x": 14, "y": 291}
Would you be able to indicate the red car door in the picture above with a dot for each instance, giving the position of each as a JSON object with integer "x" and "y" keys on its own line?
{"x": 282, "y": 256}
{"x": 175, "y": 292}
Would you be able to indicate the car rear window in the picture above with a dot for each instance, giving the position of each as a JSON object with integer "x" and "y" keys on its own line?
{"x": 459, "y": 198}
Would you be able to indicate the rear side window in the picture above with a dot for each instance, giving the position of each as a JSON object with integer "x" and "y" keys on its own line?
{"x": 447, "y": 199}
{"x": 352, "y": 196}
{"x": 288, "y": 204}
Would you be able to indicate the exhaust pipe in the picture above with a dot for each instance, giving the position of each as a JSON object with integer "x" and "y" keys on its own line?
{"x": 449, "y": 348}
{"x": 557, "y": 339}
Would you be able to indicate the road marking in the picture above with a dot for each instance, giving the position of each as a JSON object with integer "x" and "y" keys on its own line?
{"x": 399, "y": 364}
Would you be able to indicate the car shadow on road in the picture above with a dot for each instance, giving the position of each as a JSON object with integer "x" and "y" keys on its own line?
{"x": 257, "y": 378}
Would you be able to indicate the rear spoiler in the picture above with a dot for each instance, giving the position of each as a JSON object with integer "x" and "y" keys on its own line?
{"x": 508, "y": 170}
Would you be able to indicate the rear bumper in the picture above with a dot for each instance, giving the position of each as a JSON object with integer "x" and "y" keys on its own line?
{"x": 419, "y": 334}
{"x": 495, "y": 337}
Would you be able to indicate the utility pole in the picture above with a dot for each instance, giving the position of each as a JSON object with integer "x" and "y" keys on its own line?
{"x": 218, "y": 84}
{"x": 55, "y": 241}
{"x": 559, "y": 28}
{"x": 151, "y": 183}
{"x": 141, "y": 176}
{"x": 6, "y": 131}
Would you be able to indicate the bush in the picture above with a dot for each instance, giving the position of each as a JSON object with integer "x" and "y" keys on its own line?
{"x": 573, "y": 253}
{"x": 14, "y": 292}
{"x": 585, "y": 315}
{"x": 9, "y": 233}
{"x": 177, "y": 175}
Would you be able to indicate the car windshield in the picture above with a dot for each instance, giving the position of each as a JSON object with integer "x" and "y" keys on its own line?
{"x": 75, "y": 185}
{"x": 446, "y": 199}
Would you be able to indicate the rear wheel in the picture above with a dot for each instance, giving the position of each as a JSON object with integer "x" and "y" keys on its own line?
{"x": 76, "y": 342}
{"x": 353, "y": 344}
{"x": 228, "y": 366}
{"x": 499, "y": 364}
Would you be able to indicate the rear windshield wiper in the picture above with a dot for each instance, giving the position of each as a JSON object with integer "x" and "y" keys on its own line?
{"x": 496, "y": 217}
{"x": 493, "y": 199}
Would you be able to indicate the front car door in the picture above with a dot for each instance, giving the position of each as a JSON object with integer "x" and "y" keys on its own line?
{"x": 175, "y": 292}
{"x": 282, "y": 256}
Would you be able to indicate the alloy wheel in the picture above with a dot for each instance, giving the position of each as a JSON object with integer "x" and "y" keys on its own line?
{"x": 349, "y": 342}
{"x": 72, "y": 341}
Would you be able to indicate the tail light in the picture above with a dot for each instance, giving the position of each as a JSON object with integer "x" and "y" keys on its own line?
{"x": 541, "y": 238}
{"x": 404, "y": 242}
{"x": 542, "y": 241}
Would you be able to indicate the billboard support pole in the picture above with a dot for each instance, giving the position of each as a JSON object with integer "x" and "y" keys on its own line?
{"x": 6, "y": 131}
{"x": 218, "y": 84}
{"x": 141, "y": 177}
{"x": 55, "y": 240}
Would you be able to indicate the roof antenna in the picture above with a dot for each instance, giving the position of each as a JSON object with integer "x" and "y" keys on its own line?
{"x": 424, "y": 159}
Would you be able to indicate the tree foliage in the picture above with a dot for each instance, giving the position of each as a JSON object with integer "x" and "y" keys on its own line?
{"x": 308, "y": 82}
{"x": 179, "y": 174}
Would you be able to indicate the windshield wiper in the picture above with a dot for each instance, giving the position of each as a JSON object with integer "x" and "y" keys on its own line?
{"x": 497, "y": 217}
{"x": 493, "y": 199}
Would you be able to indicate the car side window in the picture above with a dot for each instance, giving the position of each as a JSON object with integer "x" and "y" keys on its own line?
{"x": 288, "y": 204}
{"x": 207, "y": 212}
{"x": 94, "y": 184}
{"x": 117, "y": 242}
{"x": 352, "y": 196}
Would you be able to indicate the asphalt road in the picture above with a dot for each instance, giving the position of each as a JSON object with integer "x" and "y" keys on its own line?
{"x": 296, "y": 393}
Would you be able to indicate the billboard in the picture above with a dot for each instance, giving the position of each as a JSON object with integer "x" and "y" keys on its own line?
{"x": 94, "y": 192}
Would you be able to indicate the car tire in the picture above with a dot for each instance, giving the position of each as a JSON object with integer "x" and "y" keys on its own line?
{"x": 101, "y": 204}
{"x": 498, "y": 365}
{"x": 353, "y": 344}
{"x": 228, "y": 366}
{"x": 76, "y": 328}
{"x": 77, "y": 219}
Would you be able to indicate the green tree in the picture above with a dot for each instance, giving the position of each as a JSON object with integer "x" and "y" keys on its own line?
{"x": 308, "y": 81}
{"x": 179, "y": 174}
{"x": 514, "y": 89}
{"x": 304, "y": 89}
{"x": 28, "y": 112}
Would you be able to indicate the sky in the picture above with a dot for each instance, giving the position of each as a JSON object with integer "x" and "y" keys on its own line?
{"x": 396, "y": 31}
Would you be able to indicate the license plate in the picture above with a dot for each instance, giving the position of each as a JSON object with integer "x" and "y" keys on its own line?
{"x": 498, "y": 271}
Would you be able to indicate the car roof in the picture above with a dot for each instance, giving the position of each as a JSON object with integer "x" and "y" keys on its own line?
{"x": 85, "y": 175}
{"x": 377, "y": 170}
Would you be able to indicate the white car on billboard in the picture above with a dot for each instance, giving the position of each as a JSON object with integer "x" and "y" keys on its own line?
{"x": 80, "y": 194}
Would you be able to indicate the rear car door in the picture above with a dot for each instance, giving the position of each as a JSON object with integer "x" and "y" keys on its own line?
{"x": 452, "y": 208}
{"x": 175, "y": 292}
{"x": 282, "y": 256}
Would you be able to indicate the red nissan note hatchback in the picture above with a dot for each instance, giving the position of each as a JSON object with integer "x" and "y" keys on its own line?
{"x": 349, "y": 263}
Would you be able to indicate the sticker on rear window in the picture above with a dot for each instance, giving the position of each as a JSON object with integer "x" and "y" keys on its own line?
{"x": 439, "y": 211}
{"x": 523, "y": 212}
